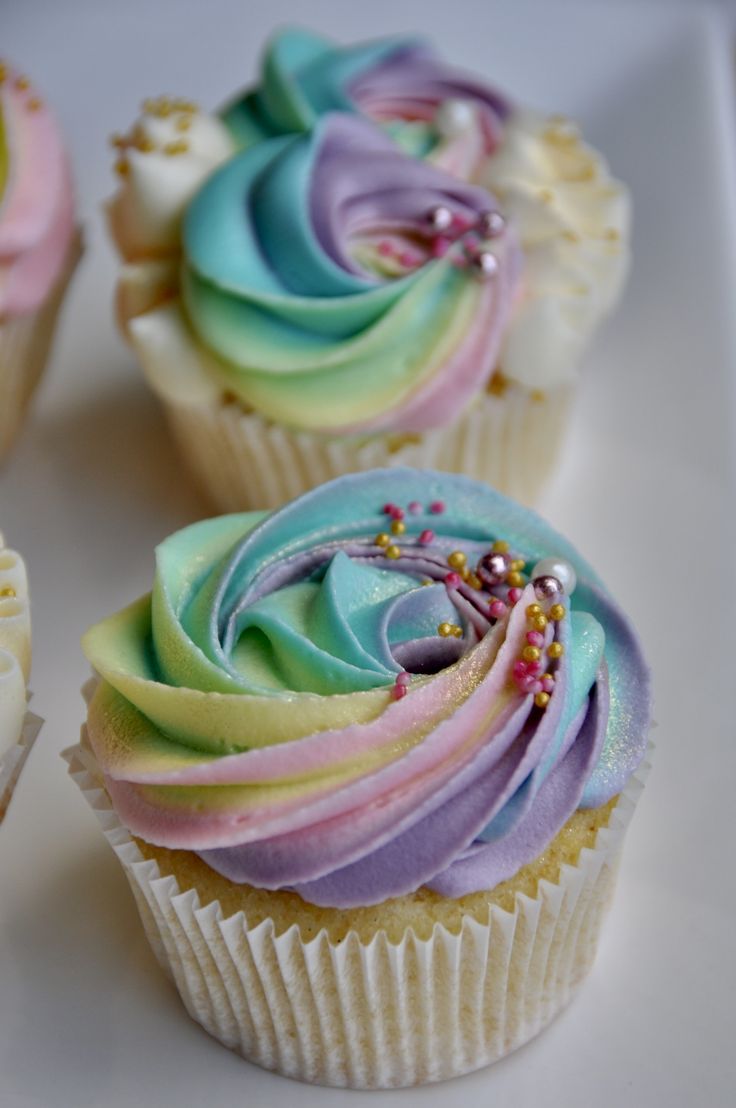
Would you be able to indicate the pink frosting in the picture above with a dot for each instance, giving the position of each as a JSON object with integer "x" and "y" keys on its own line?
{"x": 37, "y": 205}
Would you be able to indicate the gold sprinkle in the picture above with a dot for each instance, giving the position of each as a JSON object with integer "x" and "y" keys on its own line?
{"x": 118, "y": 141}
{"x": 546, "y": 195}
{"x": 178, "y": 147}
{"x": 393, "y": 551}
{"x": 571, "y": 236}
{"x": 457, "y": 559}
{"x": 541, "y": 699}
{"x": 474, "y": 581}
{"x": 531, "y": 654}
{"x": 557, "y": 612}
{"x": 382, "y": 539}
{"x": 498, "y": 384}
{"x": 22, "y": 83}
{"x": 444, "y": 629}
{"x": 122, "y": 167}
{"x": 517, "y": 564}
{"x": 183, "y": 123}
{"x": 534, "y": 610}
{"x": 500, "y": 546}
{"x": 457, "y": 631}
{"x": 611, "y": 234}
{"x": 8, "y": 590}
{"x": 514, "y": 580}
{"x": 398, "y": 527}
{"x": 537, "y": 396}
{"x": 3, "y": 72}
{"x": 144, "y": 144}
{"x": 555, "y": 650}
{"x": 35, "y": 104}
{"x": 464, "y": 572}
{"x": 539, "y": 622}
{"x": 427, "y": 581}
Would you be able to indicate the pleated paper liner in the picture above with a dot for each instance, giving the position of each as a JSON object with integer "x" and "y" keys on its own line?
{"x": 13, "y": 760}
{"x": 25, "y": 344}
{"x": 242, "y": 461}
{"x": 381, "y": 1015}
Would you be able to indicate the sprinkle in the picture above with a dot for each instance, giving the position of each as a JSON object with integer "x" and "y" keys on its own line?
{"x": 531, "y": 654}
{"x": 440, "y": 246}
{"x": 534, "y": 638}
{"x": 396, "y": 512}
{"x": 34, "y": 104}
{"x": 178, "y": 147}
{"x": 437, "y": 507}
{"x": 118, "y": 141}
{"x": 453, "y": 580}
{"x": 500, "y": 546}
{"x": 400, "y": 691}
{"x": 539, "y": 622}
{"x": 388, "y": 508}
{"x": 548, "y": 683}
{"x": 8, "y": 590}
{"x": 385, "y": 248}
{"x": 546, "y": 195}
{"x": 498, "y": 609}
{"x": 611, "y": 234}
{"x": 457, "y": 631}
{"x": 457, "y": 559}
{"x": 393, "y": 551}
{"x": 409, "y": 259}
{"x": 474, "y": 581}
{"x": 517, "y": 564}
{"x": 541, "y": 699}
{"x": 555, "y": 650}
{"x": 415, "y": 507}
{"x": 382, "y": 539}
{"x": 122, "y": 167}
{"x": 3, "y": 72}
{"x": 444, "y": 629}
{"x": 426, "y": 537}
{"x": 183, "y": 123}
{"x": 514, "y": 596}
{"x": 534, "y": 610}
{"x": 22, "y": 83}
{"x": 398, "y": 527}
{"x": 403, "y": 678}
{"x": 514, "y": 579}
{"x": 557, "y": 612}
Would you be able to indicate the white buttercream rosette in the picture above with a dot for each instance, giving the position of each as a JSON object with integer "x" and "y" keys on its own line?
{"x": 18, "y": 727}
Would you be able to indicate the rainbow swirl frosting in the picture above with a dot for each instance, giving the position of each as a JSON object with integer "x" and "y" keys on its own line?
{"x": 36, "y": 198}
{"x": 429, "y": 108}
{"x": 314, "y": 274}
{"x": 311, "y": 703}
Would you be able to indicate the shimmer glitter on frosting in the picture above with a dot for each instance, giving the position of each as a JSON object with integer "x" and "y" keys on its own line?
{"x": 36, "y": 197}
{"x": 247, "y": 708}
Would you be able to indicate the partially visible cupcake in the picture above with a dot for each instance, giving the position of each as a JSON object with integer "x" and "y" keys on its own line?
{"x": 18, "y": 727}
{"x": 367, "y": 763}
{"x": 39, "y": 242}
{"x": 299, "y": 281}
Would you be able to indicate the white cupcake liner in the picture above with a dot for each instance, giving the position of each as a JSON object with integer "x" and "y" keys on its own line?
{"x": 25, "y": 344}
{"x": 13, "y": 759}
{"x": 242, "y": 461}
{"x": 381, "y": 1015}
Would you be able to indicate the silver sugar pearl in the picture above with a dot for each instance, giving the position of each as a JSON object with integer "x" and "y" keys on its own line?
{"x": 546, "y": 587}
{"x": 454, "y": 117}
{"x": 560, "y": 569}
{"x": 491, "y": 224}
{"x": 492, "y": 568}
{"x": 485, "y": 265}
{"x": 439, "y": 218}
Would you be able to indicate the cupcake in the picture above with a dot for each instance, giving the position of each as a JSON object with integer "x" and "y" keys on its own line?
{"x": 39, "y": 243}
{"x": 367, "y": 762}
{"x": 18, "y": 728}
{"x": 368, "y": 260}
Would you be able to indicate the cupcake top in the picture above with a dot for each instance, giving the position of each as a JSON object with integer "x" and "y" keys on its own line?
{"x": 363, "y": 227}
{"x": 15, "y": 649}
{"x": 399, "y": 679}
{"x": 36, "y": 197}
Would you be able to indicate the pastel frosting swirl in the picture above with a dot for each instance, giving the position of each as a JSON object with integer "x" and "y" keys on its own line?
{"x": 36, "y": 197}
{"x": 290, "y": 704}
{"x": 312, "y": 273}
{"x": 399, "y": 82}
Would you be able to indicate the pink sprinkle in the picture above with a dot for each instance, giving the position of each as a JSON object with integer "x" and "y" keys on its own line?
{"x": 520, "y": 668}
{"x": 408, "y": 259}
{"x": 426, "y": 537}
{"x": 547, "y": 683}
{"x": 534, "y": 638}
{"x": 440, "y": 246}
{"x": 498, "y": 609}
{"x": 460, "y": 222}
{"x": 400, "y": 691}
{"x": 453, "y": 580}
{"x": 437, "y": 507}
{"x": 415, "y": 507}
{"x": 534, "y": 668}
{"x": 388, "y": 508}
{"x": 403, "y": 678}
{"x": 385, "y": 248}
{"x": 527, "y": 684}
{"x": 514, "y": 596}
{"x": 396, "y": 513}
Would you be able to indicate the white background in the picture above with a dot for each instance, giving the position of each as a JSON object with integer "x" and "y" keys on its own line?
{"x": 646, "y": 490}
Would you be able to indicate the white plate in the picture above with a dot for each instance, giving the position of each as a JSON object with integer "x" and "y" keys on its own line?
{"x": 646, "y": 490}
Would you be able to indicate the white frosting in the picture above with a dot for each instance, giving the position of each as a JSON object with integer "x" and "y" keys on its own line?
{"x": 165, "y": 158}
{"x": 15, "y": 646}
{"x": 573, "y": 221}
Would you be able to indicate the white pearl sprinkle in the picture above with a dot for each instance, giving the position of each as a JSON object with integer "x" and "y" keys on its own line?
{"x": 454, "y": 117}
{"x": 559, "y": 568}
